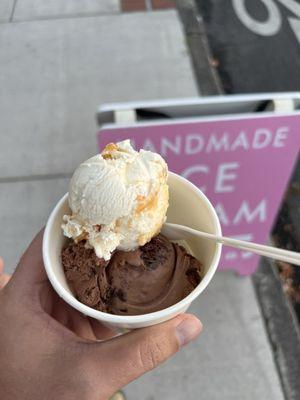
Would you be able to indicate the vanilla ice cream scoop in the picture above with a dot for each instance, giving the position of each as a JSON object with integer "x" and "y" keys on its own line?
{"x": 118, "y": 198}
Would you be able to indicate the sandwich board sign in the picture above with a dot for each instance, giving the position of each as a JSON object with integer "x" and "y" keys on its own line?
{"x": 242, "y": 162}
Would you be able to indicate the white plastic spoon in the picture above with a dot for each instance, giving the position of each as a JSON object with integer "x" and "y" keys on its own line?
{"x": 177, "y": 232}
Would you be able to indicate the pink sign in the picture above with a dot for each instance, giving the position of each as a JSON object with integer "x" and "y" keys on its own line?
{"x": 243, "y": 165}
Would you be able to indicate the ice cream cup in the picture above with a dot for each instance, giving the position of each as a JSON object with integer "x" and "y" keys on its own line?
{"x": 188, "y": 206}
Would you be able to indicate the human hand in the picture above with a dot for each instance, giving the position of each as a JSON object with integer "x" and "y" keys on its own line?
{"x": 50, "y": 351}
{"x": 4, "y": 278}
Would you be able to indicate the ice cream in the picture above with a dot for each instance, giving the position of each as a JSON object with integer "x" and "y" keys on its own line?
{"x": 150, "y": 278}
{"x": 116, "y": 261}
{"x": 118, "y": 199}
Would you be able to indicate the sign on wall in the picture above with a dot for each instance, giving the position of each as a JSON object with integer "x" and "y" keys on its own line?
{"x": 243, "y": 165}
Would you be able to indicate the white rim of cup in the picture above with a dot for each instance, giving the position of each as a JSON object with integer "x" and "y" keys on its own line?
{"x": 127, "y": 319}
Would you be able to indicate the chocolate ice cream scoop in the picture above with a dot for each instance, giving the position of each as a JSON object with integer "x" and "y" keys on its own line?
{"x": 150, "y": 278}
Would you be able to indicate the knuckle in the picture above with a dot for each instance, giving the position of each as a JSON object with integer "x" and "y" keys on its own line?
{"x": 151, "y": 353}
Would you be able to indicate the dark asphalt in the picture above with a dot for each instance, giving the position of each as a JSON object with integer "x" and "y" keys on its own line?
{"x": 248, "y": 61}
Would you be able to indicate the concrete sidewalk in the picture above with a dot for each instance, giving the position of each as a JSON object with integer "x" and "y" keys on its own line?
{"x": 54, "y": 75}
{"x": 58, "y": 63}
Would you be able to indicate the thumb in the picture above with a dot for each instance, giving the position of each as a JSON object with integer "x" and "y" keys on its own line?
{"x": 131, "y": 355}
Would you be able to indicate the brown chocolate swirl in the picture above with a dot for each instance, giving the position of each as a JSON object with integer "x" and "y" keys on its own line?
{"x": 150, "y": 278}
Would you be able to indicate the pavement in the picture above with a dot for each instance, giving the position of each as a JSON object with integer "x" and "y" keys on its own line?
{"x": 54, "y": 75}
{"x": 59, "y": 61}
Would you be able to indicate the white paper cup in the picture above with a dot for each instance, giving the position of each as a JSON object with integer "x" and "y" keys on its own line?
{"x": 188, "y": 206}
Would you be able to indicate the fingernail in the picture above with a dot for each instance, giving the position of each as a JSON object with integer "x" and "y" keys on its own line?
{"x": 188, "y": 330}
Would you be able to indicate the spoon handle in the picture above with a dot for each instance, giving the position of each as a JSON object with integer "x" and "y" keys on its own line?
{"x": 262, "y": 250}
{"x": 174, "y": 231}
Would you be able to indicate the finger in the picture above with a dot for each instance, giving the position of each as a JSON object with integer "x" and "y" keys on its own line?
{"x": 80, "y": 325}
{"x": 101, "y": 331}
{"x": 60, "y": 311}
{"x": 30, "y": 270}
{"x": 129, "y": 356}
{"x": 83, "y": 326}
{"x": 70, "y": 318}
{"x": 67, "y": 316}
{"x": 4, "y": 278}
